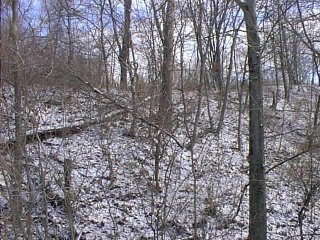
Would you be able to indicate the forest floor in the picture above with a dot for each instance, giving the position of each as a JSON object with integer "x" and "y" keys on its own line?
{"x": 203, "y": 190}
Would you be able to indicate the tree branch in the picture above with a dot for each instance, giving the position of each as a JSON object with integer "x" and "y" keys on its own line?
{"x": 287, "y": 160}
{"x": 125, "y": 108}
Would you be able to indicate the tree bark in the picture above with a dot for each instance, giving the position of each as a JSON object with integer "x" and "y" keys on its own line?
{"x": 165, "y": 110}
{"x": 283, "y": 61}
{"x": 17, "y": 207}
{"x": 257, "y": 192}
{"x": 67, "y": 5}
{"x": 102, "y": 44}
{"x": 1, "y": 78}
{"x": 124, "y": 51}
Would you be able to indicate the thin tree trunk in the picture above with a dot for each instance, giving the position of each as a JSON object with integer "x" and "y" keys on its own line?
{"x": 69, "y": 30}
{"x": 226, "y": 89}
{"x": 17, "y": 207}
{"x": 103, "y": 48}
{"x": 283, "y": 64}
{"x": 134, "y": 81}
{"x": 275, "y": 63}
{"x": 1, "y": 78}
{"x": 241, "y": 108}
{"x": 68, "y": 195}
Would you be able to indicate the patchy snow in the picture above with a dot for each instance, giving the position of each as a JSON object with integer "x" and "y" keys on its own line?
{"x": 114, "y": 192}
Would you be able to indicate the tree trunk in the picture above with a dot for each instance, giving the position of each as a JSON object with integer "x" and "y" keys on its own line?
{"x": 69, "y": 31}
{"x": 241, "y": 108}
{"x": 165, "y": 105}
{"x": 217, "y": 62}
{"x": 102, "y": 45}
{"x": 257, "y": 192}
{"x": 283, "y": 64}
{"x": 68, "y": 196}
{"x": 165, "y": 109}
{"x": 224, "y": 97}
{"x": 17, "y": 207}
{"x": 275, "y": 63}
{"x": 1, "y": 78}
{"x": 124, "y": 52}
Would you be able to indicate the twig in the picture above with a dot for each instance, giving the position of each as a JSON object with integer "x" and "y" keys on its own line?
{"x": 240, "y": 201}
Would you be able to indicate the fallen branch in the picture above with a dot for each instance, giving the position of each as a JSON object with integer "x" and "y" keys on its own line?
{"x": 58, "y": 132}
{"x": 243, "y": 191}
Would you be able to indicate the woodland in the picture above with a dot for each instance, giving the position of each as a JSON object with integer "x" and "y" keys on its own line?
{"x": 159, "y": 119}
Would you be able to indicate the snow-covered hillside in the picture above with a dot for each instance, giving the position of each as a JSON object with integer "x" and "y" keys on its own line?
{"x": 203, "y": 190}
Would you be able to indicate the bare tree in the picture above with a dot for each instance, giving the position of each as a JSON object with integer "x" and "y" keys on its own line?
{"x": 102, "y": 5}
{"x": 218, "y": 21}
{"x": 126, "y": 42}
{"x": 68, "y": 8}
{"x": 165, "y": 110}
{"x": 17, "y": 205}
{"x": 224, "y": 97}
{"x": 257, "y": 192}
{"x": 123, "y": 46}
{"x": 196, "y": 10}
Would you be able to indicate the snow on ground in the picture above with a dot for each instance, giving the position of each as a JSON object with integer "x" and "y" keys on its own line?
{"x": 115, "y": 196}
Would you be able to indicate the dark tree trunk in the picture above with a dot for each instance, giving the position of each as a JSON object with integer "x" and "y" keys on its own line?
{"x": 1, "y": 78}
{"x": 275, "y": 62}
{"x": 217, "y": 62}
{"x": 257, "y": 192}
{"x": 165, "y": 105}
{"x": 124, "y": 51}
{"x": 165, "y": 110}
{"x": 69, "y": 31}
{"x": 68, "y": 196}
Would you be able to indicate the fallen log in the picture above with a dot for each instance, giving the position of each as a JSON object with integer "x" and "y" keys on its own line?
{"x": 62, "y": 132}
